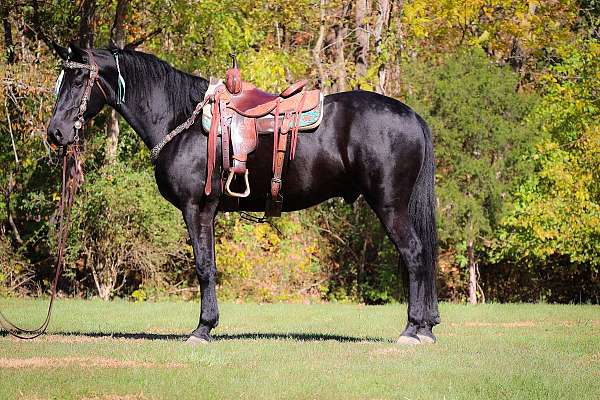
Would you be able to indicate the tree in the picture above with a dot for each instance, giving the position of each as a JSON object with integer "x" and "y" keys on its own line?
{"x": 86, "y": 23}
{"x": 117, "y": 36}
{"x": 480, "y": 133}
{"x": 557, "y": 211}
{"x": 381, "y": 25}
{"x": 361, "y": 53}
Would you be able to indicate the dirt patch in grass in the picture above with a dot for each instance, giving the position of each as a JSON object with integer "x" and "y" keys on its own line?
{"x": 83, "y": 338}
{"x": 97, "y": 397}
{"x": 82, "y": 362}
{"x": 590, "y": 360}
{"x": 524, "y": 324}
{"x": 388, "y": 351}
{"x": 515, "y": 324}
{"x": 116, "y": 397}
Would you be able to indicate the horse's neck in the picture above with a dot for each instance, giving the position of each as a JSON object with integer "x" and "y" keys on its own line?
{"x": 152, "y": 116}
{"x": 149, "y": 119}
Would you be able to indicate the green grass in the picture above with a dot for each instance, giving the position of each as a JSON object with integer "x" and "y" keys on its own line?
{"x": 293, "y": 351}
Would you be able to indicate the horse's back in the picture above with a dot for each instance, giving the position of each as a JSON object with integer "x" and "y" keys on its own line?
{"x": 365, "y": 141}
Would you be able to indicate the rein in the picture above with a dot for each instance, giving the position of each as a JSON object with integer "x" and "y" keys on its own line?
{"x": 72, "y": 178}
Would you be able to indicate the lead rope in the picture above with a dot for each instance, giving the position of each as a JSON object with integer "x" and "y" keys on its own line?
{"x": 70, "y": 184}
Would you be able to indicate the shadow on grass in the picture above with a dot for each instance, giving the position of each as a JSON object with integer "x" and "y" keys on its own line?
{"x": 298, "y": 337}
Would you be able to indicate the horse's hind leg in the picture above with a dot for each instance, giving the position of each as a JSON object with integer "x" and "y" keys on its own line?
{"x": 401, "y": 232}
{"x": 200, "y": 223}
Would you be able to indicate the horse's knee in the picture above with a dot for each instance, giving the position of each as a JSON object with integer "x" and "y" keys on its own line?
{"x": 205, "y": 269}
{"x": 205, "y": 274}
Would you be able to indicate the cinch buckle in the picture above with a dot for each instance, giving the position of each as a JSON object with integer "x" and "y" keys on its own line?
{"x": 246, "y": 193}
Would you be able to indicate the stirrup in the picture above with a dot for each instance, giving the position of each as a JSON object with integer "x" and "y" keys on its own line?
{"x": 236, "y": 194}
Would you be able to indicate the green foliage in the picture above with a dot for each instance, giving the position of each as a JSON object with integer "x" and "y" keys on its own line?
{"x": 557, "y": 211}
{"x": 520, "y": 204}
{"x": 256, "y": 262}
{"x": 365, "y": 264}
{"x": 124, "y": 231}
{"x": 480, "y": 133}
{"x": 14, "y": 271}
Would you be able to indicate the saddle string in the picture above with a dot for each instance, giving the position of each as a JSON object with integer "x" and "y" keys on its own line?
{"x": 72, "y": 178}
{"x": 259, "y": 220}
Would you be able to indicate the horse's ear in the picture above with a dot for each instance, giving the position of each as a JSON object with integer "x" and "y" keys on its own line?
{"x": 62, "y": 52}
{"x": 75, "y": 52}
{"x": 131, "y": 46}
{"x": 112, "y": 46}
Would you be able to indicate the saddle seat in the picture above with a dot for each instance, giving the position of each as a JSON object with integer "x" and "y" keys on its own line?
{"x": 239, "y": 112}
{"x": 254, "y": 103}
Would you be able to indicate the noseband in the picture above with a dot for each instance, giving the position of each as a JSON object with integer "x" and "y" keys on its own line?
{"x": 94, "y": 73}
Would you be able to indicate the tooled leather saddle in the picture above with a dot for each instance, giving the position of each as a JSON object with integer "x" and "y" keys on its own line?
{"x": 238, "y": 112}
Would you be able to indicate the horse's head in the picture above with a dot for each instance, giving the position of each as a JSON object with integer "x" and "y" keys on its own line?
{"x": 84, "y": 86}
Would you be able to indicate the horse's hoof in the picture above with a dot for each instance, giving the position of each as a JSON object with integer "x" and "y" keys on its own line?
{"x": 426, "y": 335}
{"x": 195, "y": 340}
{"x": 408, "y": 340}
{"x": 426, "y": 339}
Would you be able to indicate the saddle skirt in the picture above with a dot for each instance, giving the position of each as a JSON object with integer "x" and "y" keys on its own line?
{"x": 310, "y": 118}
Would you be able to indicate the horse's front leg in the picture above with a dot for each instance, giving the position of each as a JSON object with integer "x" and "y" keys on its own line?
{"x": 200, "y": 221}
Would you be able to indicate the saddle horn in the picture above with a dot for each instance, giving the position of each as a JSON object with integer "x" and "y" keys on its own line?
{"x": 233, "y": 77}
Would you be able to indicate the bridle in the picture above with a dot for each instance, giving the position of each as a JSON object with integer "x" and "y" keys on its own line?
{"x": 93, "y": 79}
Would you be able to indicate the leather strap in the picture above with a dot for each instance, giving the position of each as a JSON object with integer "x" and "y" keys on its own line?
{"x": 225, "y": 135}
{"x": 279, "y": 161}
{"x": 296, "y": 126}
{"x": 212, "y": 145}
{"x": 275, "y": 134}
{"x": 282, "y": 135}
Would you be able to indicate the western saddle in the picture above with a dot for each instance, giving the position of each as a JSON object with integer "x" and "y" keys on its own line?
{"x": 238, "y": 112}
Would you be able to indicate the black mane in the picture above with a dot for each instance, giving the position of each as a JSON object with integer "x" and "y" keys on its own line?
{"x": 146, "y": 70}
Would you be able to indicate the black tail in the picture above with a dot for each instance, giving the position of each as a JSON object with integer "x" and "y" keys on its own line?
{"x": 421, "y": 208}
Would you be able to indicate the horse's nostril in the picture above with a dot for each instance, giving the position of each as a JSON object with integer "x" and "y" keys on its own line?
{"x": 58, "y": 134}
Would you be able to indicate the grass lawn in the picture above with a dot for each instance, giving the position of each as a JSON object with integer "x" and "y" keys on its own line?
{"x": 128, "y": 350}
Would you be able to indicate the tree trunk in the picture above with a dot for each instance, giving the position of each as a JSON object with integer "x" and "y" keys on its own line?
{"x": 472, "y": 273}
{"x": 361, "y": 56}
{"x": 86, "y": 24}
{"x": 8, "y": 42}
{"x": 392, "y": 84}
{"x": 117, "y": 32}
{"x": 11, "y": 221}
{"x": 316, "y": 51}
{"x": 381, "y": 25}
{"x": 117, "y": 35}
{"x": 341, "y": 29}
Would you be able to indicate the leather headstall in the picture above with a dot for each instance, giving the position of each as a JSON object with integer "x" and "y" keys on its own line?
{"x": 94, "y": 73}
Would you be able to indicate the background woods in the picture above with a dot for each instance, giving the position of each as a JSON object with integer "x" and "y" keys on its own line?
{"x": 509, "y": 88}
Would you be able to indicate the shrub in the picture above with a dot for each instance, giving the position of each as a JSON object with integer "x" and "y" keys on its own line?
{"x": 125, "y": 234}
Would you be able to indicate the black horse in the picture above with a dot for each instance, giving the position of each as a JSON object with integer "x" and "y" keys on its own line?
{"x": 367, "y": 144}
